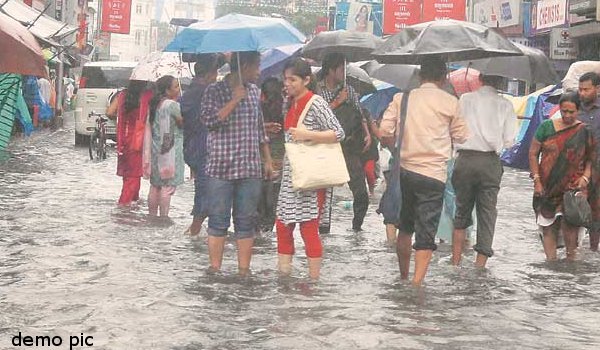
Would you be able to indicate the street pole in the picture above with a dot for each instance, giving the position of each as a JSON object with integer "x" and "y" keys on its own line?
{"x": 58, "y": 104}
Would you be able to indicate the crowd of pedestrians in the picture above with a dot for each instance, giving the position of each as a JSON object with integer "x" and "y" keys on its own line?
{"x": 232, "y": 135}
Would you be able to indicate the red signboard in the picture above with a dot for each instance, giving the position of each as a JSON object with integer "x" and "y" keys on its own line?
{"x": 444, "y": 9}
{"x": 116, "y": 16}
{"x": 398, "y": 14}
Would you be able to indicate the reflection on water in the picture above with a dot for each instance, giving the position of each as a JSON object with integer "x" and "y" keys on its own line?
{"x": 72, "y": 262}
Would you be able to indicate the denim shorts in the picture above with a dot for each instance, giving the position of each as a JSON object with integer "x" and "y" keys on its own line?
{"x": 239, "y": 197}
{"x": 200, "y": 194}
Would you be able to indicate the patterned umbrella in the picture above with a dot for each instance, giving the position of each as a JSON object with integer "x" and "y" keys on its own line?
{"x": 159, "y": 64}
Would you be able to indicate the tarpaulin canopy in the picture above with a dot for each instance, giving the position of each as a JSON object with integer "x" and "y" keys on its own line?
{"x": 45, "y": 27}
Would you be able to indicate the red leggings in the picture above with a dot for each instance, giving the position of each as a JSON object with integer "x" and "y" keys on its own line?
{"x": 130, "y": 191}
{"x": 309, "y": 231}
{"x": 370, "y": 174}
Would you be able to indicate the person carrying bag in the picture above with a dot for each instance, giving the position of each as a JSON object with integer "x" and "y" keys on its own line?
{"x": 313, "y": 163}
{"x": 390, "y": 204}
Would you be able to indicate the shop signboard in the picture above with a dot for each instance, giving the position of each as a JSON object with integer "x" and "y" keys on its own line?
{"x": 562, "y": 46}
{"x": 116, "y": 16}
{"x": 398, "y": 14}
{"x": 550, "y": 14}
{"x": 434, "y": 10}
{"x": 497, "y": 13}
{"x": 582, "y": 7}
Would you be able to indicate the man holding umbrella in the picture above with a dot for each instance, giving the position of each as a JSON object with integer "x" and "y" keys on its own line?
{"x": 231, "y": 111}
{"x": 433, "y": 124}
{"x": 343, "y": 100}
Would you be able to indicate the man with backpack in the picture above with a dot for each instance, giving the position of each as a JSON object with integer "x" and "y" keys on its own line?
{"x": 343, "y": 100}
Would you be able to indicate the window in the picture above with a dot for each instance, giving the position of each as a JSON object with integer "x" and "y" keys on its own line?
{"x": 145, "y": 38}
{"x": 138, "y": 9}
{"x": 105, "y": 77}
{"x": 147, "y": 9}
{"x": 138, "y": 37}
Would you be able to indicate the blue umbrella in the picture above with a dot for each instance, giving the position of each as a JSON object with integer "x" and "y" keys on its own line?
{"x": 377, "y": 102}
{"x": 236, "y": 32}
{"x": 272, "y": 61}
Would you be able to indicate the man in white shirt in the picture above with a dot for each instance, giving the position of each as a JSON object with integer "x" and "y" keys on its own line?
{"x": 478, "y": 171}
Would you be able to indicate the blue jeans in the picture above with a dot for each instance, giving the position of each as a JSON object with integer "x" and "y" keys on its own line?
{"x": 238, "y": 196}
{"x": 200, "y": 193}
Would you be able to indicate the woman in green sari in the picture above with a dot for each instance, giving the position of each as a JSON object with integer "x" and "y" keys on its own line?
{"x": 566, "y": 149}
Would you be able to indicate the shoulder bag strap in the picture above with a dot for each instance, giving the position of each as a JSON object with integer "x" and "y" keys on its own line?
{"x": 403, "y": 109}
{"x": 304, "y": 111}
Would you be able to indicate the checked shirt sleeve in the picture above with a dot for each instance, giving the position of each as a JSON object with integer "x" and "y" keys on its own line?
{"x": 210, "y": 108}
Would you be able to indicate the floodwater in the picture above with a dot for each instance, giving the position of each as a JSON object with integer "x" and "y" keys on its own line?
{"x": 71, "y": 262}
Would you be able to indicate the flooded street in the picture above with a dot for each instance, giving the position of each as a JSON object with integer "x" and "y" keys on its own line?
{"x": 71, "y": 262}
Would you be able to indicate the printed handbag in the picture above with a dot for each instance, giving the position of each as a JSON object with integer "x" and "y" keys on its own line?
{"x": 315, "y": 165}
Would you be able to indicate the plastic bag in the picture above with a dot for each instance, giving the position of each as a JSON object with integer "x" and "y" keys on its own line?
{"x": 576, "y": 209}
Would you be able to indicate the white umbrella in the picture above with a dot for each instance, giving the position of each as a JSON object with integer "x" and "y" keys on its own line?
{"x": 159, "y": 64}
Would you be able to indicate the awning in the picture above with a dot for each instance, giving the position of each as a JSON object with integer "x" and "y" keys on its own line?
{"x": 45, "y": 27}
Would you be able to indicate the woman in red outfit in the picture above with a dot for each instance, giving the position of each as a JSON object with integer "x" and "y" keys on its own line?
{"x": 303, "y": 207}
{"x": 132, "y": 111}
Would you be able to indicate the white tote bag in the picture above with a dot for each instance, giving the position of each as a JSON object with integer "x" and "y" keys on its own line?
{"x": 315, "y": 165}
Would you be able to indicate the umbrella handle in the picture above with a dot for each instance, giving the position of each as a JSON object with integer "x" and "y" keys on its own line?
{"x": 237, "y": 56}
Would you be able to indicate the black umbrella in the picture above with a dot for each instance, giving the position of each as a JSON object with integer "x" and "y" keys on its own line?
{"x": 402, "y": 76}
{"x": 355, "y": 46}
{"x": 453, "y": 40}
{"x": 533, "y": 66}
{"x": 360, "y": 80}
{"x": 357, "y": 78}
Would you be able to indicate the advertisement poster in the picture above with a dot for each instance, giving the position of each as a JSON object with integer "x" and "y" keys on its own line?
{"x": 116, "y": 16}
{"x": 550, "y": 14}
{"x": 498, "y": 13}
{"x": 360, "y": 18}
{"x": 398, "y": 14}
{"x": 434, "y": 10}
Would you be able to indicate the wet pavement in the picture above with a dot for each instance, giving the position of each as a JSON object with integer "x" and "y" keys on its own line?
{"x": 71, "y": 262}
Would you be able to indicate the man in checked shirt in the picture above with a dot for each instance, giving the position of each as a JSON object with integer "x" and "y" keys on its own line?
{"x": 231, "y": 112}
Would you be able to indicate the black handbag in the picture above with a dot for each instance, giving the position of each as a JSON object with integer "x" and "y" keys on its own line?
{"x": 390, "y": 204}
{"x": 576, "y": 209}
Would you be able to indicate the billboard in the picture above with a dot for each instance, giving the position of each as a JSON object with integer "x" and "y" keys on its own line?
{"x": 434, "y": 10}
{"x": 497, "y": 13}
{"x": 550, "y": 14}
{"x": 360, "y": 17}
{"x": 116, "y": 16}
{"x": 400, "y": 13}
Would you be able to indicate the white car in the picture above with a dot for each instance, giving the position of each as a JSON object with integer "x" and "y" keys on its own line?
{"x": 99, "y": 81}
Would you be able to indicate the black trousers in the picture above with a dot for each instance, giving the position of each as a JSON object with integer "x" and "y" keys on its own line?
{"x": 358, "y": 186}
